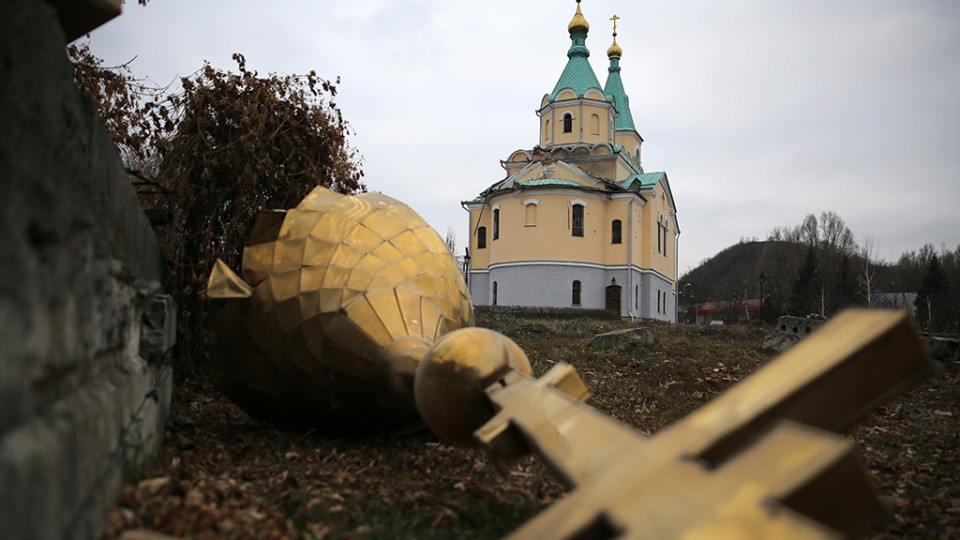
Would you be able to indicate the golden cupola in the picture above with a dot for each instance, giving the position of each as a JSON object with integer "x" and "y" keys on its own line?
{"x": 578, "y": 25}
{"x": 614, "y": 51}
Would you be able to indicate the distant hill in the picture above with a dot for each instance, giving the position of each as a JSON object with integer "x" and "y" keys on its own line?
{"x": 733, "y": 274}
{"x": 727, "y": 271}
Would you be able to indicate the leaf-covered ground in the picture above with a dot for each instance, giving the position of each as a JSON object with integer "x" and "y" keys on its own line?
{"x": 225, "y": 475}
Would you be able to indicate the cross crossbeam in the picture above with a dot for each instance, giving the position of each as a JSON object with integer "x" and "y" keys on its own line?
{"x": 760, "y": 461}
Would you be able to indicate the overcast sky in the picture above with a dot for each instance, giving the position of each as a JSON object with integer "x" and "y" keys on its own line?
{"x": 760, "y": 112}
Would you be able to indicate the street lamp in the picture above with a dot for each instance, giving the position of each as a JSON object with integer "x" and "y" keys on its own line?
{"x": 762, "y": 277}
{"x": 683, "y": 292}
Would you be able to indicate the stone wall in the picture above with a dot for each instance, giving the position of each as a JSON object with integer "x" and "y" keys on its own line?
{"x": 86, "y": 332}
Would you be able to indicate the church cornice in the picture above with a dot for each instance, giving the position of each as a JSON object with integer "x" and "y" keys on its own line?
{"x": 544, "y": 191}
{"x": 566, "y": 150}
{"x": 592, "y": 158}
{"x": 603, "y": 104}
{"x": 629, "y": 132}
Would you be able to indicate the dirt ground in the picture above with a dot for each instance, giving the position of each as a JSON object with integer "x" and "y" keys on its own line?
{"x": 227, "y": 476}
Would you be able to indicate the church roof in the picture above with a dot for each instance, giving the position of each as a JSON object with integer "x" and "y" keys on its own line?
{"x": 578, "y": 75}
{"x": 614, "y": 89}
{"x": 540, "y": 182}
{"x": 639, "y": 184}
{"x": 544, "y": 178}
{"x": 634, "y": 183}
{"x": 642, "y": 180}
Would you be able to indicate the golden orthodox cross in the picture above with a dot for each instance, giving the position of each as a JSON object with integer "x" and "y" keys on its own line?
{"x": 614, "y": 19}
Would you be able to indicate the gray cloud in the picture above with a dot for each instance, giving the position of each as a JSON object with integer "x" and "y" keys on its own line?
{"x": 759, "y": 112}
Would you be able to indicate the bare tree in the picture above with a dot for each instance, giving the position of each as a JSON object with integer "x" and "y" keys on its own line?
{"x": 783, "y": 233}
{"x": 123, "y": 101}
{"x": 806, "y": 288}
{"x": 451, "y": 241}
{"x": 779, "y": 261}
{"x": 823, "y": 300}
{"x": 933, "y": 298}
{"x": 835, "y": 236}
{"x": 810, "y": 231}
{"x": 212, "y": 154}
{"x": 868, "y": 274}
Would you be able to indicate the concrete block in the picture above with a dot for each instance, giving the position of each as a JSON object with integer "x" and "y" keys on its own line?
{"x": 623, "y": 338}
{"x": 789, "y": 331}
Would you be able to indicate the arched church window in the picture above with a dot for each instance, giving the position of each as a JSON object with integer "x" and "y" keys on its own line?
{"x": 531, "y": 215}
{"x": 567, "y": 123}
{"x": 481, "y": 237}
{"x": 576, "y": 292}
{"x": 659, "y": 236}
{"x": 494, "y": 293}
{"x": 546, "y": 130}
{"x": 666, "y": 226}
{"x": 577, "y": 224}
{"x": 616, "y": 230}
{"x": 496, "y": 223}
{"x": 595, "y": 124}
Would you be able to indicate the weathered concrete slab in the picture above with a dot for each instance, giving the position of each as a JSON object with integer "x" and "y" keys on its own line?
{"x": 623, "y": 338}
{"x": 941, "y": 348}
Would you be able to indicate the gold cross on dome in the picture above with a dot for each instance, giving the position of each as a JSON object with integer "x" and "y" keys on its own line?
{"x": 614, "y": 19}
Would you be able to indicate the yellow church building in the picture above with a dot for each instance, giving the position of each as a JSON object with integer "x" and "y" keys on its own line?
{"x": 577, "y": 222}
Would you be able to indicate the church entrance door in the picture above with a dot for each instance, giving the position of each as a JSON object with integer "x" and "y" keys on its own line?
{"x": 613, "y": 298}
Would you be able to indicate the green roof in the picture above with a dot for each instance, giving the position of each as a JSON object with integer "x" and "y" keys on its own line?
{"x": 614, "y": 89}
{"x": 645, "y": 180}
{"x": 578, "y": 75}
{"x": 551, "y": 182}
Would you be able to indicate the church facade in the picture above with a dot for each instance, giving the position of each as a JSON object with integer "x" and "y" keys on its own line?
{"x": 577, "y": 222}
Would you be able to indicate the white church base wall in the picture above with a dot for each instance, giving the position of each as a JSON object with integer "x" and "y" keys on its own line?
{"x": 551, "y": 284}
{"x": 546, "y": 285}
{"x": 657, "y": 298}
{"x": 479, "y": 285}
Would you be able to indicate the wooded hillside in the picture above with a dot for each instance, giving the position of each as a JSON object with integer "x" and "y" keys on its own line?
{"x": 818, "y": 269}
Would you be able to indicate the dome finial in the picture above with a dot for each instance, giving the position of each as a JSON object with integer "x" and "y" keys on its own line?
{"x": 614, "y": 51}
{"x": 578, "y": 25}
